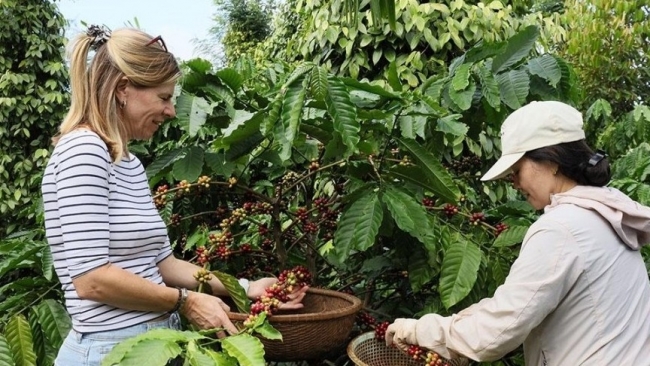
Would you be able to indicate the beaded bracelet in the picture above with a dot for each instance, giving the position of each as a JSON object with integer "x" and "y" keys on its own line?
{"x": 182, "y": 297}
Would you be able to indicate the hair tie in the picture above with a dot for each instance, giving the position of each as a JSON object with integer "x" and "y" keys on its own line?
{"x": 597, "y": 157}
{"x": 100, "y": 35}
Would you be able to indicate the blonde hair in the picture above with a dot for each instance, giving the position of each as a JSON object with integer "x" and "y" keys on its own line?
{"x": 127, "y": 53}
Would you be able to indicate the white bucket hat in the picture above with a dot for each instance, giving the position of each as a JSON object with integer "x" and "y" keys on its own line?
{"x": 535, "y": 125}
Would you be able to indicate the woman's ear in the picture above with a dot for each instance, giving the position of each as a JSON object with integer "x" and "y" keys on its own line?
{"x": 121, "y": 90}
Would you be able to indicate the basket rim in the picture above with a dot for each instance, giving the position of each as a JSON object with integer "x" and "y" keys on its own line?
{"x": 354, "y": 343}
{"x": 355, "y": 305}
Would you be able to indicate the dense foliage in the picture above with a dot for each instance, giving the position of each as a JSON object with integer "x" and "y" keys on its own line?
{"x": 33, "y": 100}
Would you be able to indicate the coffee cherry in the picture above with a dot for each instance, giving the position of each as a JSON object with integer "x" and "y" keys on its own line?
{"x": 175, "y": 220}
{"x": 428, "y": 203}
{"x": 406, "y": 161}
{"x": 380, "y": 330}
{"x": 204, "y": 181}
{"x": 231, "y": 182}
{"x": 450, "y": 210}
{"x": 314, "y": 165}
{"x": 476, "y": 218}
{"x": 500, "y": 227}
{"x": 203, "y": 275}
{"x": 415, "y": 352}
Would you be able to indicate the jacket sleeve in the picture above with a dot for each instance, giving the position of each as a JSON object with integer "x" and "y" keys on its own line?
{"x": 547, "y": 267}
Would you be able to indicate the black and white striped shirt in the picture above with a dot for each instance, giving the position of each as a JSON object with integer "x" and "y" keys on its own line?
{"x": 97, "y": 212}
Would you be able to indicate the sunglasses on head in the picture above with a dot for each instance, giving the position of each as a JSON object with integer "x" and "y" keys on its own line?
{"x": 160, "y": 41}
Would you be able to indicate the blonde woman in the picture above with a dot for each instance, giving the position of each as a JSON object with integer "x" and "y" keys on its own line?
{"x": 110, "y": 246}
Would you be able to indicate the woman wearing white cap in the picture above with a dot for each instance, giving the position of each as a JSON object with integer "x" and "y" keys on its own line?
{"x": 578, "y": 294}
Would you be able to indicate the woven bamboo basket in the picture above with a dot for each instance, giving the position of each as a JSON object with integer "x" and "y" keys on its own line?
{"x": 365, "y": 350}
{"x": 323, "y": 325}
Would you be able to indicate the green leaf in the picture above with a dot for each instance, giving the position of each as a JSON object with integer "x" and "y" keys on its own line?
{"x": 459, "y": 271}
{"x": 154, "y": 352}
{"x": 318, "y": 84}
{"x": 231, "y": 78}
{"x": 412, "y": 126}
{"x": 547, "y": 68}
{"x": 409, "y": 215}
{"x": 374, "y": 89}
{"x": 358, "y": 226}
{"x": 343, "y": 113}
{"x": 441, "y": 181}
{"x": 12, "y": 261}
{"x": 393, "y": 77}
{"x": 514, "y": 86}
{"x": 19, "y": 338}
{"x": 190, "y": 166}
{"x": 164, "y": 161}
{"x": 463, "y": 98}
{"x": 420, "y": 271}
{"x": 54, "y": 321}
{"x": 247, "y": 349}
{"x": 512, "y": 235}
{"x": 120, "y": 351}
{"x": 292, "y": 105}
{"x": 236, "y": 292}
{"x": 191, "y": 112}
{"x": 243, "y": 126}
{"x": 219, "y": 165}
{"x": 220, "y": 358}
{"x": 451, "y": 125}
{"x": 489, "y": 87}
{"x": 267, "y": 331}
{"x": 482, "y": 51}
{"x": 6, "y": 357}
{"x": 518, "y": 47}
{"x": 194, "y": 356}
{"x": 47, "y": 263}
{"x": 460, "y": 81}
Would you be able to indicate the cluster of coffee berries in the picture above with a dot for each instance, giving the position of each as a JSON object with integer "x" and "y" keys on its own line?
{"x": 366, "y": 320}
{"x": 476, "y": 218}
{"x": 499, "y": 228}
{"x": 417, "y": 353}
{"x": 160, "y": 197}
{"x": 204, "y": 181}
{"x": 236, "y": 216}
{"x": 290, "y": 178}
{"x": 464, "y": 164}
{"x": 314, "y": 165}
{"x": 202, "y": 255}
{"x": 232, "y": 181}
{"x": 406, "y": 161}
{"x": 450, "y": 210}
{"x": 428, "y": 203}
{"x": 175, "y": 220}
{"x": 288, "y": 282}
{"x": 203, "y": 275}
{"x": 380, "y": 330}
{"x": 182, "y": 188}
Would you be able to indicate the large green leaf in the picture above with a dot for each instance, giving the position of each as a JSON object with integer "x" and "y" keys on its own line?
{"x": 154, "y": 352}
{"x": 369, "y": 88}
{"x": 489, "y": 87}
{"x": 164, "y": 161}
{"x": 518, "y": 47}
{"x": 408, "y": 214}
{"x": 247, "y": 349}
{"x": 219, "y": 93}
{"x": 219, "y": 164}
{"x": 318, "y": 84}
{"x": 514, "y": 86}
{"x": 231, "y": 78}
{"x": 119, "y": 352}
{"x": 412, "y": 126}
{"x": 194, "y": 356}
{"x": 459, "y": 271}
{"x": 38, "y": 338}
{"x": 420, "y": 271}
{"x": 463, "y": 98}
{"x": 12, "y": 261}
{"x": 439, "y": 178}
{"x": 19, "y": 339}
{"x": 236, "y": 292}
{"x": 47, "y": 263}
{"x": 191, "y": 112}
{"x": 292, "y": 104}
{"x": 6, "y": 358}
{"x": 460, "y": 81}
{"x": 54, "y": 321}
{"x": 220, "y": 358}
{"x": 343, "y": 113}
{"x": 359, "y": 225}
{"x": 513, "y": 235}
{"x": 190, "y": 166}
{"x": 547, "y": 68}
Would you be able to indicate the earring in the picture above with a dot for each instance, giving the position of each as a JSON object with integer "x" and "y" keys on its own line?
{"x": 123, "y": 104}
{"x": 555, "y": 172}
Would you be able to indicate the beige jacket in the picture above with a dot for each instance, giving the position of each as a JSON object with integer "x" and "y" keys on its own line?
{"x": 578, "y": 294}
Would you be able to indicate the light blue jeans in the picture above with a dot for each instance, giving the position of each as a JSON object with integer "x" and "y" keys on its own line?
{"x": 88, "y": 349}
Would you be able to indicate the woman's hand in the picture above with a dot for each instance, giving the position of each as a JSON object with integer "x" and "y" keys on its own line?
{"x": 258, "y": 288}
{"x": 208, "y": 312}
{"x": 401, "y": 333}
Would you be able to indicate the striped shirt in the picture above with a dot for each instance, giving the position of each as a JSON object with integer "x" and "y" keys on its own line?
{"x": 99, "y": 212}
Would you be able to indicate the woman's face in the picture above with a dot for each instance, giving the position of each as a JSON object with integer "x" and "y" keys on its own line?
{"x": 536, "y": 181}
{"x": 146, "y": 109}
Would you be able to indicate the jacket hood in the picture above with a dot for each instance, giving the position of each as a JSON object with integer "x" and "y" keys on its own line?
{"x": 629, "y": 219}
